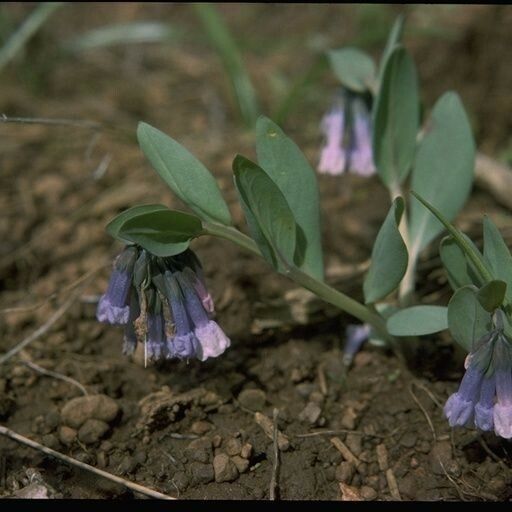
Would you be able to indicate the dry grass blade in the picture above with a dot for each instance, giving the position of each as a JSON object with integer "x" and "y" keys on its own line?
{"x": 48, "y": 451}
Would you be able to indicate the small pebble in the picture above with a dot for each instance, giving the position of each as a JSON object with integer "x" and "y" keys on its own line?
{"x": 354, "y": 443}
{"x": 181, "y": 480}
{"x": 92, "y": 431}
{"x": 200, "y": 473}
{"x": 344, "y": 472}
{"x": 199, "y": 450}
{"x": 233, "y": 446}
{"x": 348, "y": 419}
{"x": 216, "y": 440}
{"x": 200, "y": 427}
{"x": 368, "y": 493}
{"x": 409, "y": 439}
{"x": 67, "y": 435}
{"x": 241, "y": 464}
{"x": 224, "y": 469}
{"x": 99, "y": 407}
{"x": 246, "y": 451}
{"x": 310, "y": 413}
{"x": 252, "y": 399}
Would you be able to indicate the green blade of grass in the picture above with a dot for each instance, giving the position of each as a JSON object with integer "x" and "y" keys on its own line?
{"x": 232, "y": 60}
{"x": 27, "y": 29}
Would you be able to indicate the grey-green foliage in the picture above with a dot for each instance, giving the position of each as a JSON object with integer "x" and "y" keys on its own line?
{"x": 289, "y": 169}
{"x": 389, "y": 257}
{"x": 396, "y": 118}
{"x": 268, "y": 215}
{"x": 443, "y": 171}
{"x": 188, "y": 178}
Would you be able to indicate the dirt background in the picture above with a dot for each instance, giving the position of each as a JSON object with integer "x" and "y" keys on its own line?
{"x": 164, "y": 426}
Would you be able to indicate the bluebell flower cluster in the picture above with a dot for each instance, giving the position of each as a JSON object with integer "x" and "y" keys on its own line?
{"x": 347, "y": 129}
{"x": 484, "y": 397}
{"x": 164, "y": 304}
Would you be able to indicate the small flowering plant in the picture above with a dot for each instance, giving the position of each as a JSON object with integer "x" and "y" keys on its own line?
{"x": 157, "y": 290}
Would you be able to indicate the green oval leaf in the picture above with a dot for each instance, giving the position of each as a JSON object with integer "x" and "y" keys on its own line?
{"x": 418, "y": 321}
{"x": 443, "y": 171}
{"x": 396, "y": 118}
{"x": 491, "y": 295}
{"x": 353, "y": 68}
{"x": 389, "y": 257}
{"x": 162, "y": 233}
{"x": 394, "y": 38}
{"x": 114, "y": 225}
{"x": 268, "y": 215}
{"x": 467, "y": 319}
{"x": 288, "y": 168}
{"x": 497, "y": 255}
{"x": 187, "y": 177}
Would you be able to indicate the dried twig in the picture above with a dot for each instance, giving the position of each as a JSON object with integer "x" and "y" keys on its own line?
{"x": 393, "y": 486}
{"x": 347, "y": 431}
{"x": 48, "y": 451}
{"x": 44, "y": 328}
{"x": 322, "y": 381}
{"x": 55, "y": 375}
{"x": 76, "y": 123}
{"x": 428, "y": 392}
{"x": 268, "y": 427}
{"x": 423, "y": 410}
{"x": 344, "y": 450}
{"x": 275, "y": 465}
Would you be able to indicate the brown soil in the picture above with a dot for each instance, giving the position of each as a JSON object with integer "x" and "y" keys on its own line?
{"x": 176, "y": 417}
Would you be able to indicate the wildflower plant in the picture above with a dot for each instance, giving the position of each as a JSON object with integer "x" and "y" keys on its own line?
{"x": 157, "y": 290}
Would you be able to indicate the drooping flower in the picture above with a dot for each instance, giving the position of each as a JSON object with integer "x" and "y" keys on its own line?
{"x": 113, "y": 306}
{"x": 333, "y": 157}
{"x": 212, "y": 338}
{"x": 484, "y": 397}
{"x": 348, "y": 138}
{"x": 164, "y": 304}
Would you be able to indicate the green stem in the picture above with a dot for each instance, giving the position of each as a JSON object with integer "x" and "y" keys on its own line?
{"x": 319, "y": 288}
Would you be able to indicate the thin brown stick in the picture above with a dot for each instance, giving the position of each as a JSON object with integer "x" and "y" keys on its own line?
{"x": 126, "y": 483}
{"x": 346, "y": 431}
{"x": 429, "y": 393}
{"x": 76, "y": 123}
{"x": 55, "y": 375}
{"x": 275, "y": 465}
{"x": 424, "y": 411}
{"x": 44, "y": 328}
{"x": 344, "y": 450}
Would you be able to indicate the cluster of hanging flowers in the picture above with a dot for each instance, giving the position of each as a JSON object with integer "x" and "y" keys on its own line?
{"x": 347, "y": 129}
{"x": 164, "y": 304}
{"x": 484, "y": 397}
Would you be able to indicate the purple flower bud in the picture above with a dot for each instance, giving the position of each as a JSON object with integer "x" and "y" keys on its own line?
{"x": 333, "y": 157}
{"x": 355, "y": 336}
{"x": 156, "y": 340}
{"x": 484, "y": 409}
{"x": 361, "y": 155}
{"x": 197, "y": 282}
{"x": 503, "y": 407}
{"x": 183, "y": 343}
{"x": 211, "y": 337}
{"x": 113, "y": 305}
{"x": 347, "y": 128}
{"x": 460, "y": 406}
{"x": 130, "y": 335}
